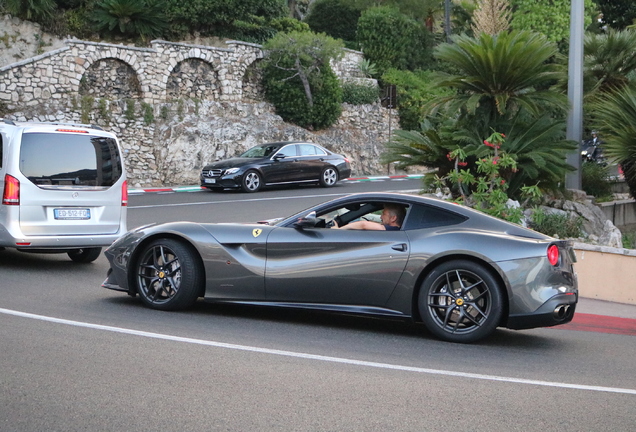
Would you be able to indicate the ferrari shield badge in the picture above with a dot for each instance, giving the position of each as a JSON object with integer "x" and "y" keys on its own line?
{"x": 256, "y": 232}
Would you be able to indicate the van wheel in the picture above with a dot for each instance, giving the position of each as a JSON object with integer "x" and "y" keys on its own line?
{"x": 85, "y": 255}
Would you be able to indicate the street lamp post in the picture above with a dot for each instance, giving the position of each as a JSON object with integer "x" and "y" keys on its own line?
{"x": 575, "y": 92}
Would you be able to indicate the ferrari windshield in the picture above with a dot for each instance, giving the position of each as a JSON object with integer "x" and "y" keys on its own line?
{"x": 265, "y": 150}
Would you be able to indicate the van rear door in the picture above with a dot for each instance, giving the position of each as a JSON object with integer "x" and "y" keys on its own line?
{"x": 72, "y": 183}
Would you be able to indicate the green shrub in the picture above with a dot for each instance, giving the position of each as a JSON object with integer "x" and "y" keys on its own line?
{"x": 299, "y": 81}
{"x": 556, "y": 224}
{"x": 359, "y": 94}
{"x": 595, "y": 180}
{"x": 149, "y": 115}
{"x": 391, "y": 39}
{"x": 129, "y": 112}
{"x": 335, "y": 18}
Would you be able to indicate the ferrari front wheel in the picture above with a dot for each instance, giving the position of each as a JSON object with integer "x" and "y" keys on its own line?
{"x": 169, "y": 275}
{"x": 460, "y": 301}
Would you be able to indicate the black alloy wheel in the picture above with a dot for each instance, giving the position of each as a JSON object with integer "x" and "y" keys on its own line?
{"x": 169, "y": 275}
{"x": 252, "y": 181}
{"x": 460, "y": 301}
{"x": 328, "y": 177}
{"x": 84, "y": 255}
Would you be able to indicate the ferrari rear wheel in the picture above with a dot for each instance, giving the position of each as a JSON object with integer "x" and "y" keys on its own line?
{"x": 460, "y": 301}
{"x": 252, "y": 181}
{"x": 329, "y": 177}
{"x": 169, "y": 275}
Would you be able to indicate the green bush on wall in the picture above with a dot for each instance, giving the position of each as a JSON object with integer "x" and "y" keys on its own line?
{"x": 359, "y": 94}
{"x": 288, "y": 97}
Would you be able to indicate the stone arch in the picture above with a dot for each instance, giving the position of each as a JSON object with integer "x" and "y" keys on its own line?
{"x": 193, "y": 78}
{"x": 252, "y": 82}
{"x": 110, "y": 77}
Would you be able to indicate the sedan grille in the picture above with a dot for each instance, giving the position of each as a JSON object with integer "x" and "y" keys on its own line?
{"x": 212, "y": 173}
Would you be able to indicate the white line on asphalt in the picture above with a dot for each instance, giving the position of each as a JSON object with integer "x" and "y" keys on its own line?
{"x": 319, "y": 357}
{"x": 255, "y": 199}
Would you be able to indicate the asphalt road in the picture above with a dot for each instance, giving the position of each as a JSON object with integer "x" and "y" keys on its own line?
{"x": 76, "y": 357}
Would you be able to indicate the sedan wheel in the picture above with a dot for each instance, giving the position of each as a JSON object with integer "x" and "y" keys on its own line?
{"x": 252, "y": 182}
{"x": 460, "y": 301}
{"x": 329, "y": 177}
{"x": 169, "y": 275}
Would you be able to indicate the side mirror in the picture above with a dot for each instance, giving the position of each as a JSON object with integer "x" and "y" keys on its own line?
{"x": 279, "y": 157}
{"x": 308, "y": 221}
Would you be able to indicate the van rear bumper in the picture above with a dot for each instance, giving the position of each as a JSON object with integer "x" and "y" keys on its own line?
{"x": 53, "y": 243}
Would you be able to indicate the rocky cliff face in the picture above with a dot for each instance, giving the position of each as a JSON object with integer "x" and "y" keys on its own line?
{"x": 20, "y": 40}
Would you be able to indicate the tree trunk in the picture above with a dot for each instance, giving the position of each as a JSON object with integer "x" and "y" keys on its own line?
{"x": 305, "y": 80}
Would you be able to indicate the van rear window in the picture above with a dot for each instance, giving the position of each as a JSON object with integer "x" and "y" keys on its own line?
{"x": 60, "y": 159}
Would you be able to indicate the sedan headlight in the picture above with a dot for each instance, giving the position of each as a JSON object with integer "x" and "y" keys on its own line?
{"x": 231, "y": 171}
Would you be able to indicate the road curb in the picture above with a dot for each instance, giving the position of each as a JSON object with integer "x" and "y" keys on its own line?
{"x": 197, "y": 188}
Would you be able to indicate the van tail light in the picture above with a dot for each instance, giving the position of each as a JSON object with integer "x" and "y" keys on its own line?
{"x": 11, "y": 194}
{"x": 553, "y": 255}
{"x": 124, "y": 194}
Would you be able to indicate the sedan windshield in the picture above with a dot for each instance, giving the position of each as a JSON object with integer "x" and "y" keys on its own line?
{"x": 261, "y": 151}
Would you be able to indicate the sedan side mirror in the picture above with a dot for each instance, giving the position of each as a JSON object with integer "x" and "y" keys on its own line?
{"x": 308, "y": 221}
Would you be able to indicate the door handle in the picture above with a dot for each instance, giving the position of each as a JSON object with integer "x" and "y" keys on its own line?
{"x": 399, "y": 247}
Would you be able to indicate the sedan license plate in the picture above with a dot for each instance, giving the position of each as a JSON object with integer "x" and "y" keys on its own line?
{"x": 208, "y": 180}
{"x": 67, "y": 214}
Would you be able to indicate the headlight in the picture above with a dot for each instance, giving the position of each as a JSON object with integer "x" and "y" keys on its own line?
{"x": 584, "y": 153}
{"x": 231, "y": 171}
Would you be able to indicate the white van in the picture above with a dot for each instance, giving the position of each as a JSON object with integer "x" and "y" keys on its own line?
{"x": 63, "y": 188}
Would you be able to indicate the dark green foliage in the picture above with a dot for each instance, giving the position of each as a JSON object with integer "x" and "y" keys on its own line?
{"x": 595, "y": 180}
{"x": 288, "y": 96}
{"x": 287, "y": 25}
{"x": 299, "y": 81}
{"x": 335, "y": 18}
{"x": 359, "y": 94}
{"x": 248, "y": 20}
{"x": 414, "y": 91}
{"x": 614, "y": 115}
{"x": 556, "y": 224}
{"x": 609, "y": 59}
{"x": 391, "y": 39}
{"x": 617, "y": 14}
{"x": 130, "y": 18}
{"x": 32, "y": 10}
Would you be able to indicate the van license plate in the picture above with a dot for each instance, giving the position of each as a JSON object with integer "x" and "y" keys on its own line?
{"x": 72, "y": 213}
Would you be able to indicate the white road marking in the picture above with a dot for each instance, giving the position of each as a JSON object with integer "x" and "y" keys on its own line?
{"x": 319, "y": 357}
{"x": 258, "y": 199}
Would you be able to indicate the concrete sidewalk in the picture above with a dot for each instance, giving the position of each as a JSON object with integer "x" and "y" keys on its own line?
{"x": 601, "y": 307}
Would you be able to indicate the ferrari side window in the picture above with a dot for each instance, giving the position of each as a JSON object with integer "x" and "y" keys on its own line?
{"x": 423, "y": 216}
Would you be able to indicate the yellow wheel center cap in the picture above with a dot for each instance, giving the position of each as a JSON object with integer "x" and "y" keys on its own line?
{"x": 459, "y": 302}
{"x": 161, "y": 275}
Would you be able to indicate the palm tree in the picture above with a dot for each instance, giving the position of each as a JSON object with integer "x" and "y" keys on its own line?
{"x": 500, "y": 74}
{"x": 144, "y": 18}
{"x": 609, "y": 59}
{"x": 614, "y": 114}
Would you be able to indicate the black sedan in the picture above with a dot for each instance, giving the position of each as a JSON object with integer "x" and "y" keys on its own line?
{"x": 276, "y": 164}
{"x": 459, "y": 271}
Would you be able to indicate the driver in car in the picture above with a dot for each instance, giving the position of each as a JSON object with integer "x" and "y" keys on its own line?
{"x": 392, "y": 217}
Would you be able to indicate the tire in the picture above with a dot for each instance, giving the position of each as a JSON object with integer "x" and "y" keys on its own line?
{"x": 85, "y": 255}
{"x": 469, "y": 311}
{"x": 169, "y": 275}
{"x": 328, "y": 177}
{"x": 252, "y": 181}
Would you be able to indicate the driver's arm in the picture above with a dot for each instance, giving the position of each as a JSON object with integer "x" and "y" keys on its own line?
{"x": 361, "y": 225}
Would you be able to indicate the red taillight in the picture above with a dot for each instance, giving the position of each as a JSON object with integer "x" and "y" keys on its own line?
{"x": 124, "y": 194}
{"x": 11, "y": 194}
{"x": 71, "y": 130}
{"x": 553, "y": 255}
